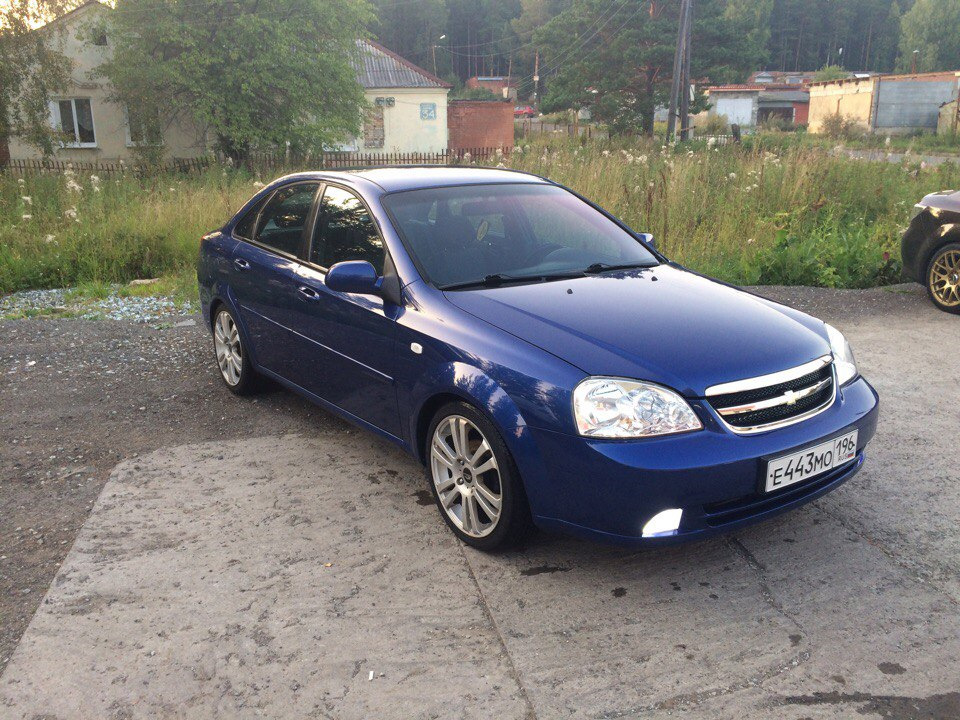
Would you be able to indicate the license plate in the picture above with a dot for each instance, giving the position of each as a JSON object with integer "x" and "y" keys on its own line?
{"x": 799, "y": 466}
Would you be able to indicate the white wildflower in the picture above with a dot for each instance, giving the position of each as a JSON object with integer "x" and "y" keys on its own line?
{"x": 49, "y": 239}
{"x": 467, "y": 157}
{"x": 711, "y": 141}
{"x": 21, "y": 182}
{"x": 73, "y": 186}
{"x": 71, "y": 214}
{"x": 887, "y": 141}
{"x": 173, "y": 189}
{"x": 518, "y": 149}
{"x": 95, "y": 179}
{"x": 27, "y": 200}
{"x": 732, "y": 176}
{"x": 637, "y": 189}
{"x": 642, "y": 159}
{"x": 501, "y": 165}
{"x": 750, "y": 241}
{"x": 257, "y": 185}
{"x": 606, "y": 153}
{"x": 27, "y": 217}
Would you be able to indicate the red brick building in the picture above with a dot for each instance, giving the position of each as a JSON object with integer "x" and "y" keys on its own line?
{"x": 497, "y": 84}
{"x": 479, "y": 124}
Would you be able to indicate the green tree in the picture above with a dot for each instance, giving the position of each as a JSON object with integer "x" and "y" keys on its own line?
{"x": 933, "y": 28}
{"x": 31, "y": 69}
{"x": 412, "y": 29}
{"x": 830, "y": 72}
{"x": 617, "y": 56}
{"x": 255, "y": 73}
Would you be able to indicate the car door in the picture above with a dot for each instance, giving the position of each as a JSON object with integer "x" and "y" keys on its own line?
{"x": 265, "y": 282}
{"x": 354, "y": 335}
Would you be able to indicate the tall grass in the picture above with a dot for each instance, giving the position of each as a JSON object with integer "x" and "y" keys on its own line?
{"x": 748, "y": 215}
{"x": 58, "y": 231}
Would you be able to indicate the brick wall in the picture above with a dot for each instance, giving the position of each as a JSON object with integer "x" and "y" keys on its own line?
{"x": 479, "y": 124}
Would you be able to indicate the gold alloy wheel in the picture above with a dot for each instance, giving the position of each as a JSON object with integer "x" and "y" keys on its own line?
{"x": 944, "y": 278}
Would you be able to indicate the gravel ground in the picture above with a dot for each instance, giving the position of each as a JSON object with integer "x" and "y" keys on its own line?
{"x": 80, "y": 396}
{"x": 114, "y": 307}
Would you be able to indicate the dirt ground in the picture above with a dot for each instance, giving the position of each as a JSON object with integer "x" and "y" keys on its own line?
{"x": 79, "y": 397}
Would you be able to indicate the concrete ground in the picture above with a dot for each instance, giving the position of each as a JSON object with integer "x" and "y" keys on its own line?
{"x": 307, "y": 574}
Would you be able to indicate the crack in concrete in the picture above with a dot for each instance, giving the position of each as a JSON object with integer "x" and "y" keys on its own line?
{"x": 530, "y": 714}
{"x": 919, "y": 571}
{"x": 761, "y": 572}
{"x": 692, "y": 700}
{"x": 889, "y": 707}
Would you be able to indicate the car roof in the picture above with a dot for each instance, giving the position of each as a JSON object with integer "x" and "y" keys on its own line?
{"x": 394, "y": 179}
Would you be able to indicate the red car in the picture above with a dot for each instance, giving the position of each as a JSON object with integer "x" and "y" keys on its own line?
{"x": 524, "y": 111}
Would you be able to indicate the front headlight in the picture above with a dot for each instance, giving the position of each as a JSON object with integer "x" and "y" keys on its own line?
{"x": 607, "y": 407}
{"x": 842, "y": 355}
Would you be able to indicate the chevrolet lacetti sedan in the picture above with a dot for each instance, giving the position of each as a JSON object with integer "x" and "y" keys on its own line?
{"x": 546, "y": 364}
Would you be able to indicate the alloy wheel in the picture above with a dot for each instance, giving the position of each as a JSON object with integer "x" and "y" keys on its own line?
{"x": 466, "y": 476}
{"x": 226, "y": 342}
{"x": 945, "y": 278}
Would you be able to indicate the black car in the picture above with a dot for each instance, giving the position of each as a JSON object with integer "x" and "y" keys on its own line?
{"x": 931, "y": 248}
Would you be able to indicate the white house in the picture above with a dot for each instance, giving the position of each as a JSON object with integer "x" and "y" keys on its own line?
{"x": 408, "y": 110}
{"x": 408, "y": 105}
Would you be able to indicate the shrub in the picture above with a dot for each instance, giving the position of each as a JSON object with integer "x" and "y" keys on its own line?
{"x": 840, "y": 127}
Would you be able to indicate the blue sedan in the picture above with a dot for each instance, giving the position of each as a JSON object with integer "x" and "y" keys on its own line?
{"x": 546, "y": 364}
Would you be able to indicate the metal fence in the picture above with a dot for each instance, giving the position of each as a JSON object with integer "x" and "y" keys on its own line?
{"x": 262, "y": 161}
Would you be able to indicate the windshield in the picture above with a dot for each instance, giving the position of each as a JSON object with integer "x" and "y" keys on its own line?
{"x": 509, "y": 232}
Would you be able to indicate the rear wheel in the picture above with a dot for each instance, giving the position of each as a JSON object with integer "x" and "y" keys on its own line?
{"x": 232, "y": 360}
{"x": 474, "y": 480}
{"x": 943, "y": 278}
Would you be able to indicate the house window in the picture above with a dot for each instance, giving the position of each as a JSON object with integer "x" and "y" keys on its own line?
{"x": 428, "y": 111}
{"x": 373, "y": 133}
{"x": 74, "y": 118}
{"x": 143, "y": 128}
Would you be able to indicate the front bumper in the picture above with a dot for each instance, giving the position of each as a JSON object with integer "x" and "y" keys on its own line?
{"x": 607, "y": 489}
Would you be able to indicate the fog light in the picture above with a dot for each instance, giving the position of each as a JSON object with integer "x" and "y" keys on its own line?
{"x": 663, "y": 523}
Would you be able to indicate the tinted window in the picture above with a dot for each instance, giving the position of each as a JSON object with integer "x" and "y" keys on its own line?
{"x": 282, "y": 220}
{"x": 345, "y": 231}
{"x": 244, "y": 228}
{"x": 461, "y": 234}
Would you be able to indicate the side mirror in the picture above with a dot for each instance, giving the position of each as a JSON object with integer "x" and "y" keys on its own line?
{"x": 648, "y": 239}
{"x": 354, "y": 276}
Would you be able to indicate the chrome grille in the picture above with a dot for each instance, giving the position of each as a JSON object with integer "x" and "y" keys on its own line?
{"x": 776, "y": 400}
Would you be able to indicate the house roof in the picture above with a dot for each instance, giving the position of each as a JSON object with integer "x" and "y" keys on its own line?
{"x": 790, "y": 96}
{"x": 754, "y": 87}
{"x": 378, "y": 67}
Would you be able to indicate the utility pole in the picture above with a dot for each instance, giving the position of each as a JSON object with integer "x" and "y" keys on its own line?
{"x": 677, "y": 72}
{"x": 685, "y": 133}
{"x": 536, "y": 77}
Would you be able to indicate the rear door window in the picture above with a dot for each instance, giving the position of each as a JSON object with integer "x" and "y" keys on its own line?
{"x": 246, "y": 227}
{"x": 284, "y": 217}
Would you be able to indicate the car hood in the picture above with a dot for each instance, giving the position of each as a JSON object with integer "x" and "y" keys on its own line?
{"x": 662, "y": 324}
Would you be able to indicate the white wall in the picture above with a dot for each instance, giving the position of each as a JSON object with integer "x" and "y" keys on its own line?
{"x": 404, "y": 130}
{"x": 739, "y": 110}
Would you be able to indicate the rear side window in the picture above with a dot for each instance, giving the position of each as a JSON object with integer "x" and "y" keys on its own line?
{"x": 345, "y": 231}
{"x": 284, "y": 216}
{"x": 245, "y": 228}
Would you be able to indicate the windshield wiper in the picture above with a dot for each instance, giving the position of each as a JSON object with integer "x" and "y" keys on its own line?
{"x": 600, "y": 267}
{"x": 500, "y": 279}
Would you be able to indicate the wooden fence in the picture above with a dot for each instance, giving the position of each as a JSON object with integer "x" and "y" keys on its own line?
{"x": 263, "y": 161}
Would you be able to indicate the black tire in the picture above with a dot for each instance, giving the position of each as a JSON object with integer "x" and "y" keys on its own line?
{"x": 514, "y": 523}
{"x": 240, "y": 378}
{"x": 945, "y": 299}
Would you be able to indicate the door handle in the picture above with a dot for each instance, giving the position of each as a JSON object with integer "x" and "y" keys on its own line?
{"x": 241, "y": 264}
{"x": 308, "y": 294}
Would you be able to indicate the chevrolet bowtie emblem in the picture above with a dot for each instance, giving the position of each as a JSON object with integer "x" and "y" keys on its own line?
{"x": 791, "y": 397}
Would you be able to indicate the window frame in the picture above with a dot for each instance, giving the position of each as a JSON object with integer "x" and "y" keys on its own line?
{"x": 387, "y": 259}
{"x": 57, "y": 122}
{"x": 128, "y": 138}
{"x": 306, "y": 232}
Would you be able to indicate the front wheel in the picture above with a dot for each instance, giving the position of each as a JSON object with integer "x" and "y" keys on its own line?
{"x": 943, "y": 278}
{"x": 474, "y": 480}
